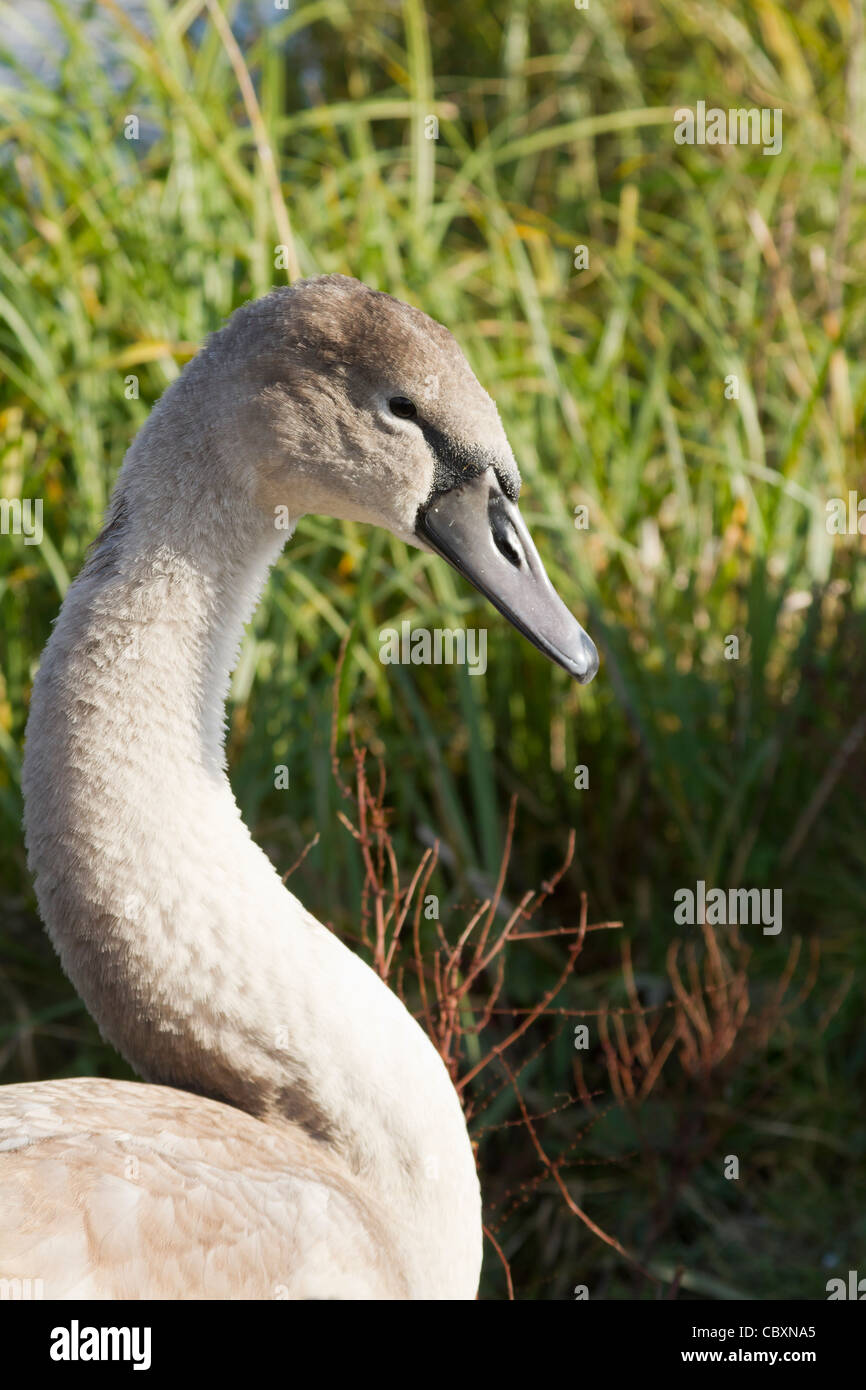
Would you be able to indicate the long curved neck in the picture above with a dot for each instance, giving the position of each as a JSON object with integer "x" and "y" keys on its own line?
{"x": 201, "y": 968}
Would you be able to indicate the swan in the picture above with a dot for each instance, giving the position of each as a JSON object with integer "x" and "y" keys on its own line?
{"x": 296, "y": 1134}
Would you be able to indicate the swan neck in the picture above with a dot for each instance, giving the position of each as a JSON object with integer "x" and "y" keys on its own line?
{"x": 197, "y": 963}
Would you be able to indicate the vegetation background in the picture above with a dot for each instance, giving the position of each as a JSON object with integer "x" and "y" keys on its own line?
{"x": 305, "y": 127}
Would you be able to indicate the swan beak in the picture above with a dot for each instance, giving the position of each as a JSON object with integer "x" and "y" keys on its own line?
{"x": 479, "y": 531}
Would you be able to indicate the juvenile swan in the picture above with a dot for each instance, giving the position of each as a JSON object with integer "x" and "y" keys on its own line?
{"x": 299, "y": 1136}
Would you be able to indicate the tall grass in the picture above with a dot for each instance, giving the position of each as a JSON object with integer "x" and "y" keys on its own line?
{"x": 306, "y": 130}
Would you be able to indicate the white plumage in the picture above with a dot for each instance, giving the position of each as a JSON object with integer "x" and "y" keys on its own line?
{"x": 300, "y": 1136}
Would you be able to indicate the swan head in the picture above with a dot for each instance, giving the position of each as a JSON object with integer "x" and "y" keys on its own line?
{"x": 349, "y": 403}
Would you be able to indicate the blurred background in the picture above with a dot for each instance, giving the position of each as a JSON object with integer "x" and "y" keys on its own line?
{"x": 706, "y": 508}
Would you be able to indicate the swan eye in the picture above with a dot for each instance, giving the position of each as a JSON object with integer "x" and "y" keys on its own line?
{"x": 402, "y": 407}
